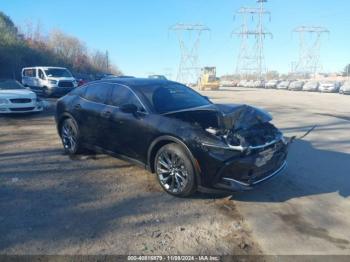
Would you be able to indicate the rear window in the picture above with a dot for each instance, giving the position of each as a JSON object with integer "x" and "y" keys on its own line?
{"x": 29, "y": 72}
{"x": 122, "y": 95}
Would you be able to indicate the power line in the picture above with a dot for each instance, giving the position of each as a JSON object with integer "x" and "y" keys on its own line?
{"x": 251, "y": 58}
{"x": 189, "y": 36}
{"x": 309, "y": 49}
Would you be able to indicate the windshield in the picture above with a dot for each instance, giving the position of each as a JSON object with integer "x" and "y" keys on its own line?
{"x": 10, "y": 85}
{"x": 172, "y": 97}
{"x": 57, "y": 72}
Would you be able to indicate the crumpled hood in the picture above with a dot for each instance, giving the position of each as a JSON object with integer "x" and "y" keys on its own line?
{"x": 236, "y": 117}
{"x": 229, "y": 116}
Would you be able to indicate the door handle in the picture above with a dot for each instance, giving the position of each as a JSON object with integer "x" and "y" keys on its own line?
{"x": 106, "y": 114}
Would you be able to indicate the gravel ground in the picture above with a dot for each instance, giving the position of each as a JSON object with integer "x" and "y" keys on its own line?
{"x": 53, "y": 204}
{"x": 306, "y": 210}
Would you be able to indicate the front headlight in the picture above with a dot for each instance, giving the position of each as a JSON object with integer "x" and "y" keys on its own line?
{"x": 53, "y": 82}
{"x": 3, "y": 101}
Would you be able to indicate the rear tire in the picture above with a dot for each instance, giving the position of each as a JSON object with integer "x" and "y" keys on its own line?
{"x": 70, "y": 137}
{"x": 175, "y": 171}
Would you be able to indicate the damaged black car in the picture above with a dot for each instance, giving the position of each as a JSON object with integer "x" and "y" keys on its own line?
{"x": 189, "y": 142}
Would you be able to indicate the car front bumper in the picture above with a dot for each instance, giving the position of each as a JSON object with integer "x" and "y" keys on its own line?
{"x": 236, "y": 170}
{"x": 20, "y": 109}
{"x": 236, "y": 185}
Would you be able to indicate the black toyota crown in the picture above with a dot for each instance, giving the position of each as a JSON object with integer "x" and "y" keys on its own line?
{"x": 186, "y": 140}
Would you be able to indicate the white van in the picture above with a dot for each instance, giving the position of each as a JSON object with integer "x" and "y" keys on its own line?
{"x": 48, "y": 80}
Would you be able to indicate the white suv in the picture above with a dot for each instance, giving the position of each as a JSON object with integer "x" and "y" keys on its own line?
{"x": 48, "y": 80}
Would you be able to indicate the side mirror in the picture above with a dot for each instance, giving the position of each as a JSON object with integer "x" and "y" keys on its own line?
{"x": 129, "y": 108}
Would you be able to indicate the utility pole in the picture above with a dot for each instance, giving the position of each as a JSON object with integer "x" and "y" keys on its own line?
{"x": 189, "y": 36}
{"x": 107, "y": 61}
{"x": 309, "y": 49}
{"x": 251, "y": 58}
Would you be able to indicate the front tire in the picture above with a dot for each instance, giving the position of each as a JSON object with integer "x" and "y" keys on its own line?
{"x": 70, "y": 137}
{"x": 175, "y": 171}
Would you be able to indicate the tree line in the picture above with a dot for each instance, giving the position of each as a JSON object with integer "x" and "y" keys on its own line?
{"x": 31, "y": 47}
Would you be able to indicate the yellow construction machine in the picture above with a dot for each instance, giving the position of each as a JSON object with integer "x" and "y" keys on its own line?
{"x": 208, "y": 79}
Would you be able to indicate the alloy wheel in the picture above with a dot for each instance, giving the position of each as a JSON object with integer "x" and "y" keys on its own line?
{"x": 172, "y": 172}
{"x": 69, "y": 137}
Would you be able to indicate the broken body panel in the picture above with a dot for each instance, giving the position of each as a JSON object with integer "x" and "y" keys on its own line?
{"x": 241, "y": 147}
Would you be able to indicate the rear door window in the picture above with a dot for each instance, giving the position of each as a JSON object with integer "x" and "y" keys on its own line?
{"x": 122, "y": 95}
{"x": 30, "y": 72}
{"x": 98, "y": 92}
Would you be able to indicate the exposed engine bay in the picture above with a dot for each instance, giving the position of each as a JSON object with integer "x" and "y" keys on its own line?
{"x": 239, "y": 126}
{"x": 257, "y": 135}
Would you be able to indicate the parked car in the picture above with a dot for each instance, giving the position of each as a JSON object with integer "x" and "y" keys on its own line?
{"x": 259, "y": 84}
{"x": 311, "y": 86}
{"x": 329, "y": 87}
{"x": 105, "y": 75}
{"x": 176, "y": 133}
{"x": 115, "y": 76}
{"x": 229, "y": 83}
{"x": 15, "y": 98}
{"x": 48, "y": 81}
{"x": 272, "y": 84}
{"x": 83, "y": 79}
{"x": 249, "y": 83}
{"x": 283, "y": 85}
{"x": 157, "y": 77}
{"x": 345, "y": 88}
{"x": 242, "y": 83}
{"x": 296, "y": 86}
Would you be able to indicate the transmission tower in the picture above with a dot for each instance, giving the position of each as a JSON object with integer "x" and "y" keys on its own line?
{"x": 251, "y": 58}
{"x": 189, "y": 36}
{"x": 309, "y": 49}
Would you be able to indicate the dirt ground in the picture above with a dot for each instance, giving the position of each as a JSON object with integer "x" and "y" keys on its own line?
{"x": 53, "y": 204}
{"x": 305, "y": 211}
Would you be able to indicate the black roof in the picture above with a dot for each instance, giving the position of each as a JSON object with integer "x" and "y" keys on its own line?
{"x": 135, "y": 82}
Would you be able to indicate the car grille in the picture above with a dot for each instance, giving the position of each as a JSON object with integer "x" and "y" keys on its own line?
{"x": 21, "y": 100}
{"x": 23, "y": 109}
{"x": 65, "y": 84}
{"x": 248, "y": 171}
